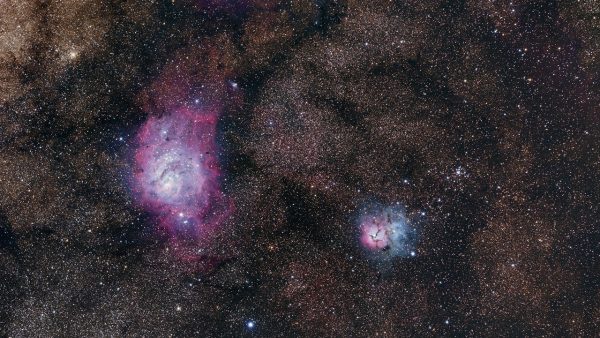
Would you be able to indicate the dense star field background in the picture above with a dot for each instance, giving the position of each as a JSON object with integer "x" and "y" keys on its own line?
{"x": 309, "y": 168}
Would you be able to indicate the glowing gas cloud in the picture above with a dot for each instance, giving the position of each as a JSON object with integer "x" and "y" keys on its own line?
{"x": 177, "y": 172}
{"x": 387, "y": 232}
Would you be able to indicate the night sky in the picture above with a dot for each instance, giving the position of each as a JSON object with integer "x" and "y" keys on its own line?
{"x": 299, "y": 168}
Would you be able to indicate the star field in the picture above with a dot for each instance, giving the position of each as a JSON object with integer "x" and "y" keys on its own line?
{"x": 299, "y": 168}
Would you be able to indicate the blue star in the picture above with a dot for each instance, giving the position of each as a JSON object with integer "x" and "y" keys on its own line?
{"x": 250, "y": 324}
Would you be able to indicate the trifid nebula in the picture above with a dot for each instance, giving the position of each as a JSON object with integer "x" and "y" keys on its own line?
{"x": 299, "y": 168}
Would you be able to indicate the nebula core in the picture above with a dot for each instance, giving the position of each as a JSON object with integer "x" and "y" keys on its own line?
{"x": 387, "y": 232}
{"x": 177, "y": 171}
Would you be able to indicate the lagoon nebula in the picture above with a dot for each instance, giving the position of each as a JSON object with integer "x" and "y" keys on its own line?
{"x": 177, "y": 172}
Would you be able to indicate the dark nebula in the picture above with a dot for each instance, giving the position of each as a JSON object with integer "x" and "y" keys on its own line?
{"x": 310, "y": 168}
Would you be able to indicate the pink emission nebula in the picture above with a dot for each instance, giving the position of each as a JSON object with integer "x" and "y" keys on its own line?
{"x": 177, "y": 172}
